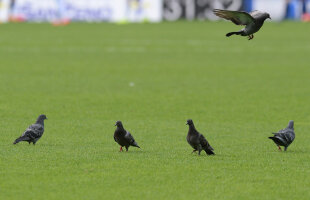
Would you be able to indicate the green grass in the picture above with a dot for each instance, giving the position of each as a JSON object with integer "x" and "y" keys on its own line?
{"x": 236, "y": 91}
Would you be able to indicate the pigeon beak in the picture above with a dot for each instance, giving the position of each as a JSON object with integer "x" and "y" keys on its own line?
{"x": 114, "y": 124}
{"x": 186, "y": 123}
{"x": 269, "y": 18}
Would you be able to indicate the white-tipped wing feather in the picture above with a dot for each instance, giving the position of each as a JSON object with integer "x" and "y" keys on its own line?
{"x": 239, "y": 18}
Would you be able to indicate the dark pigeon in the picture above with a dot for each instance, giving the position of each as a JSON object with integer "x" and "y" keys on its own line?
{"x": 252, "y": 21}
{"x": 33, "y": 132}
{"x": 123, "y": 137}
{"x": 285, "y": 136}
{"x": 197, "y": 140}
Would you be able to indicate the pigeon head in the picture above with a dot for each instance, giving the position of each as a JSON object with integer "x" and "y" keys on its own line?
{"x": 291, "y": 124}
{"x": 41, "y": 119}
{"x": 119, "y": 124}
{"x": 267, "y": 16}
{"x": 43, "y": 116}
{"x": 189, "y": 122}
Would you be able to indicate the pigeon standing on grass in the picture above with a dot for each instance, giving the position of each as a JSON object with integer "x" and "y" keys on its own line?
{"x": 252, "y": 21}
{"x": 285, "y": 136}
{"x": 197, "y": 140}
{"x": 33, "y": 132}
{"x": 123, "y": 137}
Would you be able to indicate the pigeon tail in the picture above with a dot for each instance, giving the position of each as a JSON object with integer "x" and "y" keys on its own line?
{"x": 277, "y": 141}
{"x": 233, "y": 33}
{"x": 209, "y": 152}
{"x": 273, "y": 138}
{"x": 135, "y": 145}
{"x": 22, "y": 138}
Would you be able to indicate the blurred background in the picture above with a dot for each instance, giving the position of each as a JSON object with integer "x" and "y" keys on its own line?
{"x": 62, "y": 12}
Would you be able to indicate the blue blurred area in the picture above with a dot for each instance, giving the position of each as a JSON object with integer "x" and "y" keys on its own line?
{"x": 248, "y": 5}
{"x": 294, "y": 9}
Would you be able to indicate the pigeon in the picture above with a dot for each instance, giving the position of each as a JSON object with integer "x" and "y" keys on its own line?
{"x": 33, "y": 132}
{"x": 123, "y": 137}
{"x": 252, "y": 21}
{"x": 285, "y": 136}
{"x": 197, "y": 140}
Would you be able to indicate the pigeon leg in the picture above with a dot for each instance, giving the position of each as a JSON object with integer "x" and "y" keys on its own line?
{"x": 285, "y": 148}
{"x": 279, "y": 148}
{"x": 251, "y": 37}
{"x": 126, "y": 149}
{"x": 199, "y": 150}
{"x": 120, "y": 149}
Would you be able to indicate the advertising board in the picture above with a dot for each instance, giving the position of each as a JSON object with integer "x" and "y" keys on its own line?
{"x": 89, "y": 10}
{"x": 4, "y": 10}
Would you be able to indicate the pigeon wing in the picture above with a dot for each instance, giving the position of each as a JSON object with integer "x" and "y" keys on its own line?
{"x": 115, "y": 139}
{"x": 286, "y": 137}
{"x": 237, "y": 17}
{"x": 129, "y": 138}
{"x": 289, "y": 136}
{"x": 34, "y": 131}
{"x": 204, "y": 143}
{"x": 281, "y": 137}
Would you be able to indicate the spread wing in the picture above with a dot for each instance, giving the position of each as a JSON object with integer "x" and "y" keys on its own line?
{"x": 131, "y": 140}
{"x": 237, "y": 17}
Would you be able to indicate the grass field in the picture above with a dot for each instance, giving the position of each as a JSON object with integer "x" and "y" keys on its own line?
{"x": 154, "y": 77}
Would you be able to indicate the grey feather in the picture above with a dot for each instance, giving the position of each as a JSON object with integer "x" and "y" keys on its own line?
{"x": 252, "y": 21}
{"x": 197, "y": 140}
{"x": 239, "y": 18}
{"x": 123, "y": 137}
{"x": 284, "y": 137}
{"x": 34, "y": 132}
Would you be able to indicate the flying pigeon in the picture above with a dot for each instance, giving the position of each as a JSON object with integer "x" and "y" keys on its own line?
{"x": 197, "y": 140}
{"x": 123, "y": 137}
{"x": 33, "y": 132}
{"x": 252, "y": 21}
{"x": 285, "y": 136}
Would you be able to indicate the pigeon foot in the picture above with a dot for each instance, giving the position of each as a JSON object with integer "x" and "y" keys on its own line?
{"x": 251, "y": 37}
{"x": 120, "y": 149}
{"x": 279, "y": 148}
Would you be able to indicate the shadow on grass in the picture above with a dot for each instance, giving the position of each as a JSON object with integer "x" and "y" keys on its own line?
{"x": 131, "y": 151}
{"x": 297, "y": 151}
